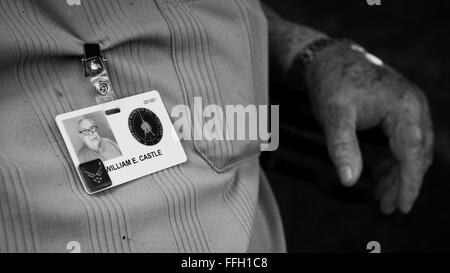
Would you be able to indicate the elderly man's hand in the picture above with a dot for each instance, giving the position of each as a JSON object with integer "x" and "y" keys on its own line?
{"x": 350, "y": 92}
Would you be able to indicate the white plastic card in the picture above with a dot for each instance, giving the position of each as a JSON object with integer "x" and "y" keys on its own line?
{"x": 119, "y": 141}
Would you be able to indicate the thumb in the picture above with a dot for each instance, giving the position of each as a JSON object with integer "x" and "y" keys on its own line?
{"x": 339, "y": 124}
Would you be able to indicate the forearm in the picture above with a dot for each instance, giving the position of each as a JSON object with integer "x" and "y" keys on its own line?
{"x": 287, "y": 39}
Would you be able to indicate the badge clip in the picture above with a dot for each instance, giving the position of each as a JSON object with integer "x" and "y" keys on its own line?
{"x": 94, "y": 66}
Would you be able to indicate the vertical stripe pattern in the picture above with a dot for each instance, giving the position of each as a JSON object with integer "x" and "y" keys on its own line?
{"x": 173, "y": 46}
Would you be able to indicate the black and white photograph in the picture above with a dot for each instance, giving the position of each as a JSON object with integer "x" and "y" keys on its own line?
{"x": 91, "y": 137}
{"x": 120, "y": 141}
{"x": 244, "y": 127}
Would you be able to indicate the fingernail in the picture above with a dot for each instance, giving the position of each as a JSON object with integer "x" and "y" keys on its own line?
{"x": 346, "y": 175}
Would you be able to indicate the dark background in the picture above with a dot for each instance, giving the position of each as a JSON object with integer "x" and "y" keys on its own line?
{"x": 319, "y": 215}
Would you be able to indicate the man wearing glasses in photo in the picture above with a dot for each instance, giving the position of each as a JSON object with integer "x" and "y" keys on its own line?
{"x": 220, "y": 199}
{"x": 95, "y": 146}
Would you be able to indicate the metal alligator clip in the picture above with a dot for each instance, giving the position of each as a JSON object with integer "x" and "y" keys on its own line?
{"x": 95, "y": 69}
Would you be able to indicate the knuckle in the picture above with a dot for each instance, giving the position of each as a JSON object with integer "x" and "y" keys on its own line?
{"x": 414, "y": 137}
{"x": 410, "y": 102}
{"x": 420, "y": 156}
{"x": 412, "y": 189}
{"x": 341, "y": 149}
{"x": 419, "y": 161}
{"x": 343, "y": 125}
{"x": 339, "y": 120}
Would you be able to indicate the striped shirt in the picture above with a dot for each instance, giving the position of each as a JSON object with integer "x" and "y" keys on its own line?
{"x": 218, "y": 201}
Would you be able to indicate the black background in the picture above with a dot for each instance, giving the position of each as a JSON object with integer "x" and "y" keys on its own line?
{"x": 319, "y": 215}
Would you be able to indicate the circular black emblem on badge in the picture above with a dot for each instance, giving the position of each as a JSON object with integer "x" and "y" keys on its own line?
{"x": 145, "y": 126}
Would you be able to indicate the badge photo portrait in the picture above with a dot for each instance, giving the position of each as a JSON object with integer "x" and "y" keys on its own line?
{"x": 91, "y": 137}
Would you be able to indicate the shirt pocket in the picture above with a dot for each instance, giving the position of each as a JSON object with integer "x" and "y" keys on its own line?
{"x": 219, "y": 50}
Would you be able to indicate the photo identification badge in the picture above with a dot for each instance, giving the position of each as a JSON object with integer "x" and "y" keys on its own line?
{"x": 121, "y": 140}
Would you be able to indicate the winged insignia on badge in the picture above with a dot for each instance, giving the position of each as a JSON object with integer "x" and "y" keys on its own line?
{"x": 95, "y": 175}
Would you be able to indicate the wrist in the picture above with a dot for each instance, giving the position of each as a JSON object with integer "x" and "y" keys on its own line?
{"x": 341, "y": 66}
{"x": 320, "y": 50}
{"x": 286, "y": 40}
{"x": 308, "y": 55}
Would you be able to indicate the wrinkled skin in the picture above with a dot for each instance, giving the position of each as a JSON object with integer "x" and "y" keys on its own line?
{"x": 348, "y": 92}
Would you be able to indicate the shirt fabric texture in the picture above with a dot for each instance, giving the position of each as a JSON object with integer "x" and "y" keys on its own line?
{"x": 218, "y": 201}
